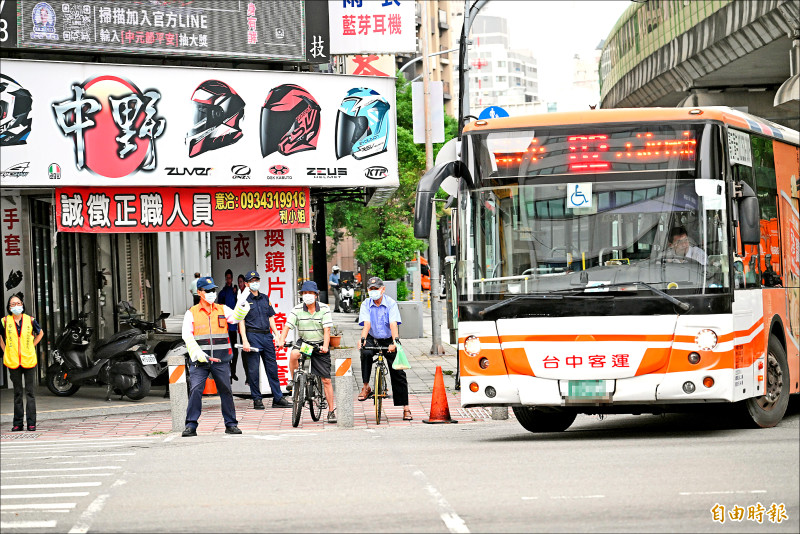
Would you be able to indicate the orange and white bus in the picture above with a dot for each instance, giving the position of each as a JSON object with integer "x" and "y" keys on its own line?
{"x": 626, "y": 261}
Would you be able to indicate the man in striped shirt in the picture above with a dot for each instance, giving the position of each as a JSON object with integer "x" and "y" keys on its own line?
{"x": 313, "y": 321}
{"x": 205, "y": 332}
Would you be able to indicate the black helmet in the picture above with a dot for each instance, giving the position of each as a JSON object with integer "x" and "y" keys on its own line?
{"x": 217, "y": 112}
{"x": 290, "y": 121}
{"x": 15, "y": 109}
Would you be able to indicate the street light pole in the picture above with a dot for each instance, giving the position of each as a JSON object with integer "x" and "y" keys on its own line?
{"x": 433, "y": 254}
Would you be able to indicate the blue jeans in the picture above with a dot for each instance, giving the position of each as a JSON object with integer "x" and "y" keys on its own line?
{"x": 267, "y": 355}
{"x": 221, "y": 372}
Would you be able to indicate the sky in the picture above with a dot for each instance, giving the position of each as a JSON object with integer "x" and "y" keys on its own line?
{"x": 555, "y": 31}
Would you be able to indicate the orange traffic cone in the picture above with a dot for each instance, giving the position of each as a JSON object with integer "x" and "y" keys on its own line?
{"x": 440, "y": 411}
{"x": 211, "y": 387}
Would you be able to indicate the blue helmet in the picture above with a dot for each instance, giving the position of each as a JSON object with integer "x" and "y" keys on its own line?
{"x": 362, "y": 124}
{"x": 309, "y": 285}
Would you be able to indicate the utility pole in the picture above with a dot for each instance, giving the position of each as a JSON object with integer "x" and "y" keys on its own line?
{"x": 433, "y": 255}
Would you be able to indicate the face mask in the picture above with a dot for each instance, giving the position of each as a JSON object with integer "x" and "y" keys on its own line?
{"x": 211, "y": 296}
{"x": 16, "y": 310}
{"x": 374, "y": 294}
{"x": 254, "y": 286}
{"x": 309, "y": 299}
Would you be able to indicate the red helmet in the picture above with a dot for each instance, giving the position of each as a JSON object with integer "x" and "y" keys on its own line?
{"x": 217, "y": 112}
{"x": 290, "y": 121}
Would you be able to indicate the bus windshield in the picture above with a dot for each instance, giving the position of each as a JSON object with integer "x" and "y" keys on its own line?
{"x": 593, "y": 233}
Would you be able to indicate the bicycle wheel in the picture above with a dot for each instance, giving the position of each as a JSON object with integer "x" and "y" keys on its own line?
{"x": 298, "y": 397}
{"x": 379, "y": 392}
{"x": 315, "y": 397}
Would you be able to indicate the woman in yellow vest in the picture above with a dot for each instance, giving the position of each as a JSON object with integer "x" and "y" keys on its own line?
{"x": 20, "y": 335}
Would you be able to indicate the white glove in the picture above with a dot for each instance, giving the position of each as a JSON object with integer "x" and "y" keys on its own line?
{"x": 201, "y": 357}
{"x": 243, "y": 296}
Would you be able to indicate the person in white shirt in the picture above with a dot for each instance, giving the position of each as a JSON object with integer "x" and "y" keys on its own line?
{"x": 680, "y": 247}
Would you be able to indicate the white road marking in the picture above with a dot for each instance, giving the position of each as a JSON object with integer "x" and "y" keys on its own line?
{"x": 27, "y": 524}
{"x": 118, "y": 483}
{"x": 80, "y": 456}
{"x": 719, "y": 492}
{"x": 94, "y": 468}
{"x": 18, "y": 512}
{"x": 43, "y": 486}
{"x": 529, "y": 498}
{"x": 170, "y": 438}
{"x": 81, "y": 441}
{"x": 64, "y": 476}
{"x": 39, "y": 506}
{"x": 85, "y": 521}
{"x": 451, "y": 519}
{"x": 68, "y": 449}
{"x": 46, "y": 495}
{"x": 577, "y": 496}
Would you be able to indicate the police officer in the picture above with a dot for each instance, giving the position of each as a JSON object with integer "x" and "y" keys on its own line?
{"x": 256, "y": 330}
{"x": 205, "y": 332}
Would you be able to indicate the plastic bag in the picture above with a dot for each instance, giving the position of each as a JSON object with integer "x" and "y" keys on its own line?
{"x": 400, "y": 361}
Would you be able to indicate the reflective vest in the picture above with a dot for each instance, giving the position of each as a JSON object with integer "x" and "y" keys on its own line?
{"x": 19, "y": 348}
{"x": 211, "y": 331}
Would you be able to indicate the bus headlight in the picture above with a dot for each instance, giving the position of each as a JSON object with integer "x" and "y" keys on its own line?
{"x": 472, "y": 346}
{"x": 706, "y": 339}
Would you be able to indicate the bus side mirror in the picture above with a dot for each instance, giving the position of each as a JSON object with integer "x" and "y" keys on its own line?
{"x": 749, "y": 215}
{"x": 426, "y": 190}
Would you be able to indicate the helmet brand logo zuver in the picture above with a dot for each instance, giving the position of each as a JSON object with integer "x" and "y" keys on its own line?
{"x": 324, "y": 171}
{"x": 185, "y": 171}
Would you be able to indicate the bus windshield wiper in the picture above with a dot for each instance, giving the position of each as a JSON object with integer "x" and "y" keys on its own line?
{"x": 679, "y": 303}
{"x": 504, "y": 303}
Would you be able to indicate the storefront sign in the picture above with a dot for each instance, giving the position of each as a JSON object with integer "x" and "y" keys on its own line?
{"x": 79, "y": 124}
{"x": 371, "y": 65}
{"x": 372, "y": 26}
{"x": 174, "y": 209}
{"x": 228, "y": 28}
{"x": 13, "y": 281}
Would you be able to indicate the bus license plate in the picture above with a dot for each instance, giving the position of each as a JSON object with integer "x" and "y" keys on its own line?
{"x": 587, "y": 389}
{"x": 306, "y": 349}
{"x": 148, "y": 359}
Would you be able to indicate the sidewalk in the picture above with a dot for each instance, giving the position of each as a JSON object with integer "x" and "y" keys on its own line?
{"x": 88, "y": 414}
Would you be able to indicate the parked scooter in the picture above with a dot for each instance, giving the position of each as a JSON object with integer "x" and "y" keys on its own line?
{"x": 121, "y": 362}
{"x": 346, "y": 294}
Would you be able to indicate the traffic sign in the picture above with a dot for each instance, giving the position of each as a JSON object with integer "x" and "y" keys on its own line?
{"x": 493, "y": 112}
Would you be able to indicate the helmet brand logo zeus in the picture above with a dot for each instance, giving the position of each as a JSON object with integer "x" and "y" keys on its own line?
{"x": 185, "y": 171}
{"x": 323, "y": 171}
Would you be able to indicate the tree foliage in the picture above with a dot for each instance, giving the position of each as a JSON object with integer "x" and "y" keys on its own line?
{"x": 384, "y": 235}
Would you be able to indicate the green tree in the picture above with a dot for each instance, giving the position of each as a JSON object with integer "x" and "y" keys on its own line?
{"x": 384, "y": 235}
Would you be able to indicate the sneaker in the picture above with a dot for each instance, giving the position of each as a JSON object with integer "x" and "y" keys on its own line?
{"x": 16, "y": 428}
{"x": 281, "y": 403}
{"x": 332, "y": 416}
{"x": 232, "y": 430}
{"x": 31, "y": 428}
{"x": 258, "y": 404}
{"x": 189, "y": 432}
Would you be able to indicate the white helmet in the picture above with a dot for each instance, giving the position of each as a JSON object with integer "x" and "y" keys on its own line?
{"x": 335, "y": 268}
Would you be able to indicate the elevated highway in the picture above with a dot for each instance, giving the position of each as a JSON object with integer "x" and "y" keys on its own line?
{"x": 735, "y": 53}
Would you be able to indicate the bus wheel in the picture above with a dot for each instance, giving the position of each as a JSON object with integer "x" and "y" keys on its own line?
{"x": 535, "y": 420}
{"x": 768, "y": 410}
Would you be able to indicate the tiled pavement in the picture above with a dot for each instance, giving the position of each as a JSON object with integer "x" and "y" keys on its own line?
{"x": 158, "y": 421}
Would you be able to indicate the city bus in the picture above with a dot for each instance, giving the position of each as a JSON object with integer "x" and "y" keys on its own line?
{"x": 625, "y": 261}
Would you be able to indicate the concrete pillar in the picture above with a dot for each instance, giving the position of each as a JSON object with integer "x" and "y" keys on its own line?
{"x": 499, "y": 413}
{"x": 178, "y": 394}
{"x": 343, "y": 389}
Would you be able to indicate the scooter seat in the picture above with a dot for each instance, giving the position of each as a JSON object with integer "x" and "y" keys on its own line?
{"x": 119, "y": 344}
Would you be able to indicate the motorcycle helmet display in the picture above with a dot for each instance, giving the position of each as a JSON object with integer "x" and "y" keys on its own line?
{"x": 362, "y": 124}
{"x": 217, "y": 113}
{"x": 15, "y": 111}
{"x": 290, "y": 121}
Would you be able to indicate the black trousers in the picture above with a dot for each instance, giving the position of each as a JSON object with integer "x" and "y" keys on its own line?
{"x": 398, "y": 377}
{"x": 30, "y": 382}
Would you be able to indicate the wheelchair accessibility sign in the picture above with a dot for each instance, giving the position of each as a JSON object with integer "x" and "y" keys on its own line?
{"x": 579, "y": 196}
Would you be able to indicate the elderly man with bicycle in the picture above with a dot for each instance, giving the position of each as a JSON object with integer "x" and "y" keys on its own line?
{"x": 312, "y": 321}
{"x": 380, "y": 317}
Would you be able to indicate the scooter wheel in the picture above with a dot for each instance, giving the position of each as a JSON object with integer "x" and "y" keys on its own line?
{"x": 58, "y": 385}
{"x": 141, "y": 389}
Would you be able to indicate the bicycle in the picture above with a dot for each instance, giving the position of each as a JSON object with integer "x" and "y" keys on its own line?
{"x": 307, "y": 386}
{"x": 381, "y": 372}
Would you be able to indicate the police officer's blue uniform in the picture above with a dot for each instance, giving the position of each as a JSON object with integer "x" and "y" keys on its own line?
{"x": 256, "y": 324}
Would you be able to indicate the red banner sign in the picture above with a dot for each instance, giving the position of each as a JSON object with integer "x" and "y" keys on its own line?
{"x": 180, "y": 209}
